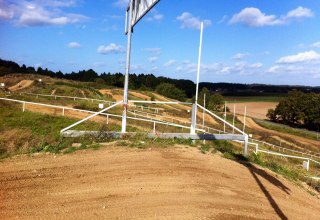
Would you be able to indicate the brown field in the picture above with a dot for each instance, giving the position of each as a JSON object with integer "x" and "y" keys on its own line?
{"x": 156, "y": 183}
{"x": 254, "y": 109}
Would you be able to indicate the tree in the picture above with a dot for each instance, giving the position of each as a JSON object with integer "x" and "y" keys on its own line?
{"x": 201, "y": 96}
{"x": 216, "y": 102}
{"x": 298, "y": 109}
{"x": 170, "y": 91}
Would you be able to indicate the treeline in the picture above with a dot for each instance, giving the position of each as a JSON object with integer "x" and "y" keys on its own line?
{"x": 136, "y": 81}
{"x": 150, "y": 82}
{"x": 298, "y": 109}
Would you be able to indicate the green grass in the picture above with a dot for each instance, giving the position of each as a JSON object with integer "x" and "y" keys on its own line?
{"x": 34, "y": 132}
{"x": 286, "y": 129}
{"x": 239, "y": 99}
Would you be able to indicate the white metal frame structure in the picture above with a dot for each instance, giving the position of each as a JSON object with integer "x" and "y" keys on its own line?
{"x": 136, "y": 10}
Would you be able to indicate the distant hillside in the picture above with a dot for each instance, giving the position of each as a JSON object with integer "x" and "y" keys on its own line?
{"x": 150, "y": 82}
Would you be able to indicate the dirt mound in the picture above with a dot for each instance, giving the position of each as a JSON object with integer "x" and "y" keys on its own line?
{"x": 124, "y": 183}
{"x": 21, "y": 85}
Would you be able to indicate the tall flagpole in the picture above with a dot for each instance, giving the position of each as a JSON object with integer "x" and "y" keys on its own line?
{"x": 194, "y": 109}
{"x": 126, "y": 80}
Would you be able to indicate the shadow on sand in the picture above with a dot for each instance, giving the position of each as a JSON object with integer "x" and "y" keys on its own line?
{"x": 255, "y": 172}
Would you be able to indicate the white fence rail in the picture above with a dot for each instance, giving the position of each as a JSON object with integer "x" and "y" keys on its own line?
{"x": 63, "y": 108}
{"x": 283, "y": 149}
{"x": 89, "y": 99}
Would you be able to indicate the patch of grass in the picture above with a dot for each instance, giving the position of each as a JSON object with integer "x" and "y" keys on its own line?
{"x": 33, "y": 132}
{"x": 205, "y": 148}
{"x": 239, "y": 99}
{"x": 287, "y": 171}
{"x": 70, "y": 150}
{"x": 286, "y": 129}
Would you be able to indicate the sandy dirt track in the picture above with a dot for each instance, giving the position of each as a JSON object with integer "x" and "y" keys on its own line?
{"x": 313, "y": 144}
{"x": 254, "y": 109}
{"x": 21, "y": 85}
{"x": 124, "y": 183}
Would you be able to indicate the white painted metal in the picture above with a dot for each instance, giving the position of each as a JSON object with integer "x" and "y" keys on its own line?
{"x": 139, "y": 9}
{"x": 306, "y": 164}
{"x": 161, "y": 102}
{"x": 225, "y": 116}
{"x": 234, "y": 116}
{"x": 204, "y": 105}
{"x": 244, "y": 118}
{"x": 98, "y": 100}
{"x": 283, "y": 148}
{"x": 194, "y": 107}
{"x": 91, "y": 116}
{"x": 126, "y": 79}
{"x": 220, "y": 119}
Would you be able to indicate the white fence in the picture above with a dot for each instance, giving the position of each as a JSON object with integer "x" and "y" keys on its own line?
{"x": 74, "y": 98}
{"x": 283, "y": 149}
{"x": 63, "y": 108}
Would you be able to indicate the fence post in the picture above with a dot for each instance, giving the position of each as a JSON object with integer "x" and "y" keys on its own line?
{"x": 257, "y": 146}
{"x": 154, "y": 127}
{"x": 246, "y": 145}
{"x": 62, "y": 111}
{"x": 23, "y": 106}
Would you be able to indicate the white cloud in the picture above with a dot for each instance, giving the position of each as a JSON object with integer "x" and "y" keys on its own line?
{"x": 153, "y": 59}
{"x": 121, "y": 3}
{"x": 304, "y": 57}
{"x": 316, "y": 44}
{"x": 155, "y": 51}
{"x": 170, "y": 63}
{"x": 256, "y": 65}
{"x": 74, "y": 45}
{"x": 40, "y": 13}
{"x": 274, "y": 69}
{"x": 189, "y": 21}
{"x": 254, "y": 17}
{"x": 300, "y": 12}
{"x": 155, "y": 16}
{"x": 111, "y": 48}
{"x": 240, "y": 56}
{"x": 178, "y": 69}
{"x": 6, "y": 10}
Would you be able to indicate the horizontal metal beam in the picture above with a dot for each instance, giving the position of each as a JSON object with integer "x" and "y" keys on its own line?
{"x": 73, "y": 133}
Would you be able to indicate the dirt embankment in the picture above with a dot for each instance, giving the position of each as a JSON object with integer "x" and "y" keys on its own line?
{"x": 21, "y": 85}
{"x": 251, "y": 124}
{"x": 124, "y": 183}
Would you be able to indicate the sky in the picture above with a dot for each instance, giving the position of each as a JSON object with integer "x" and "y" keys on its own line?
{"x": 244, "y": 41}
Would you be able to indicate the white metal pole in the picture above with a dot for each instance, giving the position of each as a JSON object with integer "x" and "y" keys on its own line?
{"x": 244, "y": 118}
{"x": 225, "y": 117}
{"x": 204, "y": 106}
{"x": 199, "y": 63}
{"x": 234, "y": 117}
{"x": 126, "y": 80}
{"x": 194, "y": 119}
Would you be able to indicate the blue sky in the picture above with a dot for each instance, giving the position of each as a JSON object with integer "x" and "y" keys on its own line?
{"x": 244, "y": 41}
